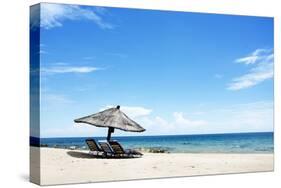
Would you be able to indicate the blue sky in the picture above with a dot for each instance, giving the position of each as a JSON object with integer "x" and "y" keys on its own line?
{"x": 172, "y": 72}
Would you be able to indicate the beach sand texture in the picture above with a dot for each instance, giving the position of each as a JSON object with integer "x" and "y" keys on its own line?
{"x": 62, "y": 166}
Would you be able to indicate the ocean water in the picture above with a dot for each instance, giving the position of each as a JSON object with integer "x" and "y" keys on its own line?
{"x": 207, "y": 143}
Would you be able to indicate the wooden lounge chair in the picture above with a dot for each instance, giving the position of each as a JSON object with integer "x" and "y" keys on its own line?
{"x": 106, "y": 148}
{"x": 109, "y": 150}
{"x": 94, "y": 148}
{"x": 118, "y": 149}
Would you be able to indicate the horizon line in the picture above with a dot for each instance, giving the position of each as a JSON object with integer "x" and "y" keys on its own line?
{"x": 162, "y": 135}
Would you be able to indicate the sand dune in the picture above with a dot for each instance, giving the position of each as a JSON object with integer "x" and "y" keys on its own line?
{"x": 61, "y": 166}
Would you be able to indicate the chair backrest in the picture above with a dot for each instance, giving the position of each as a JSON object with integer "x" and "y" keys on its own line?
{"x": 92, "y": 145}
{"x": 117, "y": 148}
{"x": 106, "y": 147}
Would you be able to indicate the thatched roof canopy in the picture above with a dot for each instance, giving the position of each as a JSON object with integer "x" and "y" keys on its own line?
{"x": 112, "y": 118}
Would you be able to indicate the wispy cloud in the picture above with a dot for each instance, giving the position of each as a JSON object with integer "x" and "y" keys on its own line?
{"x": 261, "y": 61}
{"x": 53, "y": 15}
{"x": 182, "y": 120}
{"x": 68, "y": 69}
{"x": 254, "y": 57}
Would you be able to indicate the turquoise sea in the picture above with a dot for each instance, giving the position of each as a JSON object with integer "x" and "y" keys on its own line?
{"x": 207, "y": 143}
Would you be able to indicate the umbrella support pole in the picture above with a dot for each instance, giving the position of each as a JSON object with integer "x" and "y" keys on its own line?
{"x": 110, "y": 130}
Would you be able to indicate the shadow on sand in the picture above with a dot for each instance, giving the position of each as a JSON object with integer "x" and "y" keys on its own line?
{"x": 82, "y": 155}
{"x": 78, "y": 154}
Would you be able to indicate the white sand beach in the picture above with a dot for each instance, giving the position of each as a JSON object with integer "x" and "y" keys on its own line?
{"x": 62, "y": 166}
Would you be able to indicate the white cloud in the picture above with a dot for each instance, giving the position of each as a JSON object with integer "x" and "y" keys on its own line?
{"x": 254, "y": 57}
{"x": 179, "y": 124}
{"x": 181, "y": 120}
{"x": 157, "y": 125}
{"x": 262, "y": 61}
{"x": 247, "y": 60}
{"x": 68, "y": 69}
{"x": 53, "y": 15}
{"x": 247, "y": 117}
{"x": 132, "y": 111}
{"x": 176, "y": 123}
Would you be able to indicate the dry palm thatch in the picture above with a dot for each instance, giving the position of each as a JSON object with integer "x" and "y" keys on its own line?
{"x": 111, "y": 118}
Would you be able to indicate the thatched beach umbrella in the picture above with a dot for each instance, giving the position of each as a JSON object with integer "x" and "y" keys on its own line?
{"x": 111, "y": 118}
